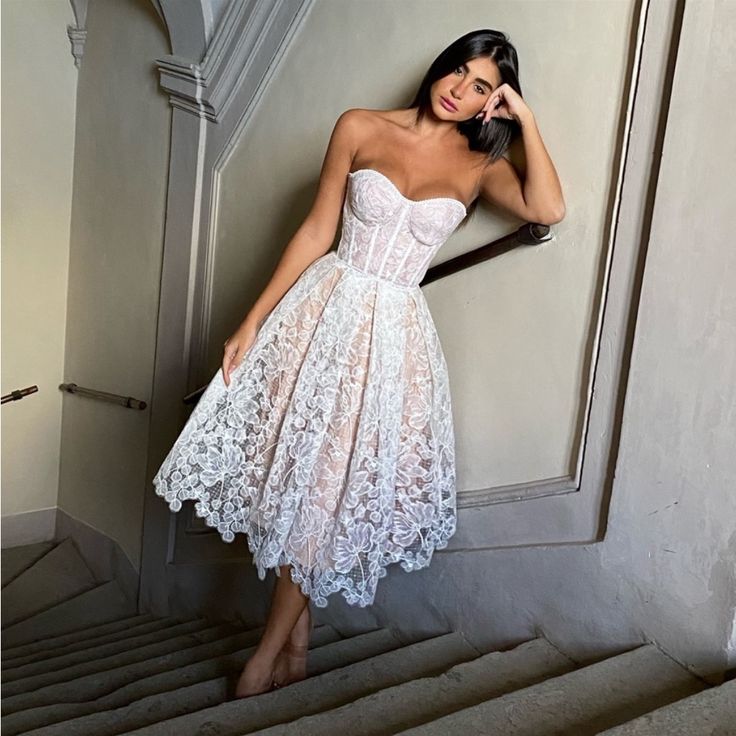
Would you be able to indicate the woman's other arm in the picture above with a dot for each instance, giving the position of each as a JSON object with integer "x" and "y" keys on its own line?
{"x": 539, "y": 199}
{"x": 312, "y": 239}
{"x": 317, "y": 233}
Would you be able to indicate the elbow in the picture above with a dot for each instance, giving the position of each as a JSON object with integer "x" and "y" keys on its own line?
{"x": 553, "y": 216}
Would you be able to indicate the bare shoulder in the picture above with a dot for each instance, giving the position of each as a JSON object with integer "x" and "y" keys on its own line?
{"x": 362, "y": 122}
{"x": 371, "y": 121}
{"x": 351, "y": 128}
{"x": 351, "y": 118}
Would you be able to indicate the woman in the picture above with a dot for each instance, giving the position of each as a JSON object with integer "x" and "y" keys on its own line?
{"x": 327, "y": 435}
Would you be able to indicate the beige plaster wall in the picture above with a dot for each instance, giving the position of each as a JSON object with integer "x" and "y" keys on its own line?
{"x": 516, "y": 331}
{"x": 39, "y": 82}
{"x": 516, "y": 364}
{"x": 121, "y": 164}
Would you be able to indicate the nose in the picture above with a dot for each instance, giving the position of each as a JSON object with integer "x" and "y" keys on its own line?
{"x": 457, "y": 90}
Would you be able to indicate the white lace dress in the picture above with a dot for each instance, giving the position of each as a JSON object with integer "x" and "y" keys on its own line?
{"x": 332, "y": 449}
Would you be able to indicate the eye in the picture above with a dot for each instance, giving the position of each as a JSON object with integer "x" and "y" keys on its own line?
{"x": 480, "y": 89}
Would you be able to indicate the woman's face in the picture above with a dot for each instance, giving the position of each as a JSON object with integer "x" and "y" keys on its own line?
{"x": 466, "y": 88}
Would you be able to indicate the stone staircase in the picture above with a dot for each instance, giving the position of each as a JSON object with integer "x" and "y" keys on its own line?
{"x": 78, "y": 659}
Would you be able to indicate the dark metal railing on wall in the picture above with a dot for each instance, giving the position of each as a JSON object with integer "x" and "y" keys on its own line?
{"x": 528, "y": 234}
{"x": 18, "y": 394}
{"x": 127, "y": 401}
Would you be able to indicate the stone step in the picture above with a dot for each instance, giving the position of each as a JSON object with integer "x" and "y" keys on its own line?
{"x": 177, "y": 701}
{"x": 114, "y": 688}
{"x": 323, "y": 689}
{"x": 707, "y": 713}
{"x": 101, "y": 658}
{"x": 103, "y": 604}
{"x": 14, "y": 560}
{"x": 583, "y": 702}
{"x": 94, "y": 635}
{"x": 55, "y": 577}
{"x": 424, "y": 699}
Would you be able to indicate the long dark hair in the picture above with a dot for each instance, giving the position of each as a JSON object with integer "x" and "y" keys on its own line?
{"x": 497, "y": 134}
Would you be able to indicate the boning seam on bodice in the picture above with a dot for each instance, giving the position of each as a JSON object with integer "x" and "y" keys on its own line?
{"x": 392, "y": 241}
{"x": 404, "y": 258}
{"x": 371, "y": 244}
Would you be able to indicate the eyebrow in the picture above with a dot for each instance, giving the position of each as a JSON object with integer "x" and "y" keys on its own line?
{"x": 479, "y": 79}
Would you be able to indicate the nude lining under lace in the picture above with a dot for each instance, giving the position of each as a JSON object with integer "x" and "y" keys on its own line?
{"x": 332, "y": 449}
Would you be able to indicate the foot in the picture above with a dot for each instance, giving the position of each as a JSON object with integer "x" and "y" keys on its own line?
{"x": 291, "y": 664}
{"x": 256, "y": 678}
{"x": 282, "y": 669}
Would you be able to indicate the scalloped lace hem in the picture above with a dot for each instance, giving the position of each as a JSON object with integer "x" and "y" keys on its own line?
{"x": 326, "y": 584}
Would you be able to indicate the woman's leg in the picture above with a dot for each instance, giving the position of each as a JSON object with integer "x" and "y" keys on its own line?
{"x": 287, "y": 605}
{"x": 291, "y": 663}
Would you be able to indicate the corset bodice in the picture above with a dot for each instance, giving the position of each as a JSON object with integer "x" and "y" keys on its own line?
{"x": 389, "y": 235}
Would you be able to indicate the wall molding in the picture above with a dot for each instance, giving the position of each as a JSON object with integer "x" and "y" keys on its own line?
{"x": 574, "y": 508}
{"x": 77, "y": 33}
{"x": 249, "y": 33}
{"x": 213, "y": 102}
{"x": 213, "y": 97}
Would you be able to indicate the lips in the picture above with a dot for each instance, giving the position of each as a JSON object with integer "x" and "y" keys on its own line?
{"x": 449, "y": 104}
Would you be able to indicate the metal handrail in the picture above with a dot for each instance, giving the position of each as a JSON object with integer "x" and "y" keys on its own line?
{"x": 18, "y": 394}
{"x": 528, "y": 234}
{"x": 127, "y": 401}
{"x": 531, "y": 233}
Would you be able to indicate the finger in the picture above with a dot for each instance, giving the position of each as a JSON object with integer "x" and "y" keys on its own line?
{"x": 492, "y": 97}
{"x": 227, "y": 359}
{"x": 500, "y": 110}
{"x": 487, "y": 105}
{"x": 494, "y": 102}
{"x": 483, "y": 111}
{"x": 233, "y": 363}
{"x": 236, "y": 359}
{"x": 495, "y": 96}
{"x": 487, "y": 115}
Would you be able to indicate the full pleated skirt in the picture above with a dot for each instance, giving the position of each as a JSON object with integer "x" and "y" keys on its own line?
{"x": 332, "y": 449}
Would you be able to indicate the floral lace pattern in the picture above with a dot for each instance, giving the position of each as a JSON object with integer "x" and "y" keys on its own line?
{"x": 332, "y": 449}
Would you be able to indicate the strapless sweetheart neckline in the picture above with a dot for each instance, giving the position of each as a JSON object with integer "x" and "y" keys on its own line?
{"x": 403, "y": 196}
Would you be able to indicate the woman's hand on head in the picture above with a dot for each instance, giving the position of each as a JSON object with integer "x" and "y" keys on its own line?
{"x": 235, "y": 348}
{"x": 506, "y": 103}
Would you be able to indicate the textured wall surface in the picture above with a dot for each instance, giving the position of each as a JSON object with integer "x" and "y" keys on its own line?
{"x": 39, "y": 84}
{"x": 120, "y": 174}
{"x": 526, "y": 426}
{"x": 666, "y": 571}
